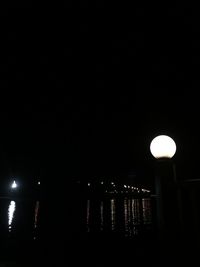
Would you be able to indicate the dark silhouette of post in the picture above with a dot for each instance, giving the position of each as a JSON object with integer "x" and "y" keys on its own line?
{"x": 167, "y": 199}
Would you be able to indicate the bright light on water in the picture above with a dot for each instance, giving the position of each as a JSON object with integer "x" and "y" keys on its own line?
{"x": 101, "y": 215}
{"x": 112, "y": 208}
{"x": 14, "y": 185}
{"x": 126, "y": 216}
{"x": 37, "y": 205}
{"x": 11, "y": 211}
{"x": 88, "y": 215}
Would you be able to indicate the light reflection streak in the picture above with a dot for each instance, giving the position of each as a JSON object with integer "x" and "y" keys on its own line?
{"x": 135, "y": 213}
{"x": 125, "y": 216}
{"x": 146, "y": 206}
{"x": 37, "y": 205}
{"x": 101, "y": 211}
{"x": 88, "y": 216}
{"x": 11, "y": 211}
{"x": 112, "y": 202}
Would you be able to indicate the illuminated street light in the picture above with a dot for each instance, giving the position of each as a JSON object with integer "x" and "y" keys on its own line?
{"x": 163, "y": 146}
{"x": 14, "y": 185}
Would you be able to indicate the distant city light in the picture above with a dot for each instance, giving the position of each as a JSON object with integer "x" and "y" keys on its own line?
{"x": 38, "y": 182}
{"x": 163, "y": 146}
{"x": 88, "y": 184}
{"x": 14, "y": 185}
{"x": 145, "y": 190}
{"x": 101, "y": 182}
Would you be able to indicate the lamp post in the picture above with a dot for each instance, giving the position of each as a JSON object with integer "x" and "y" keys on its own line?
{"x": 163, "y": 148}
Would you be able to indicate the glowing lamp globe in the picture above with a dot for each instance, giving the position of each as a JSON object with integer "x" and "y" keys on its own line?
{"x": 163, "y": 146}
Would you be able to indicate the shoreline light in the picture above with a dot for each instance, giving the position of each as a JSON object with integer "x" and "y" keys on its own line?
{"x": 14, "y": 185}
{"x": 163, "y": 146}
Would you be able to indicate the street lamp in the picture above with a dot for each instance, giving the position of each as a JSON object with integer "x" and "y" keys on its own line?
{"x": 163, "y": 149}
{"x": 163, "y": 146}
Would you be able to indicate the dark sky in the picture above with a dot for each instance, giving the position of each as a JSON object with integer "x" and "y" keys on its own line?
{"x": 85, "y": 92}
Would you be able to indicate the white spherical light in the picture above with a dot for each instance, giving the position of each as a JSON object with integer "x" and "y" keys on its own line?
{"x": 163, "y": 146}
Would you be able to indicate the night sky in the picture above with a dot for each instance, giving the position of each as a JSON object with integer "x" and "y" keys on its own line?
{"x": 83, "y": 93}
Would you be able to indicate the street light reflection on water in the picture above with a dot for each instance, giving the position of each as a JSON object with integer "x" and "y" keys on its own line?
{"x": 125, "y": 216}
{"x": 112, "y": 203}
{"x": 11, "y": 212}
{"x": 110, "y": 212}
{"x": 37, "y": 205}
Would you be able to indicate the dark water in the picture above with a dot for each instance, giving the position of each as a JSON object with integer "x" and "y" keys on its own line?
{"x": 18, "y": 227}
{"x": 110, "y": 229}
{"x": 123, "y": 216}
